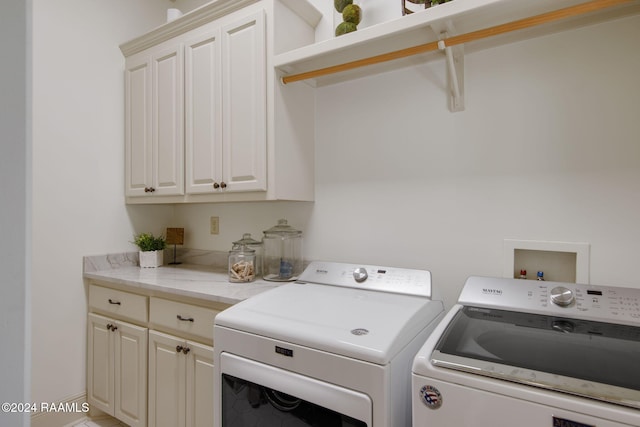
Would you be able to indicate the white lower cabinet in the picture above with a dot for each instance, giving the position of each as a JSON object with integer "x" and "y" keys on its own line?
{"x": 180, "y": 382}
{"x": 117, "y": 369}
{"x": 150, "y": 358}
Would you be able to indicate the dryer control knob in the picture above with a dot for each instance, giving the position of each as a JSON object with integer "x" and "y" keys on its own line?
{"x": 360, "y": 274}
{"x": 562, "y": 296}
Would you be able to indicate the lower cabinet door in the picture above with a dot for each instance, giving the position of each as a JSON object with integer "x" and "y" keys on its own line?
{"x": 117, "y": 369}
{"x": 167, "y": 380}
{"x": 100, "y": 378}
{"x": 130, "y": 349}
{"x": 199, "y": 385}
{"x": 180, "y": 382}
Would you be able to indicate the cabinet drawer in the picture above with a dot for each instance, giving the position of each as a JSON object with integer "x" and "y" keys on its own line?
{"x": 118, "y": 303}
{"x": 183, "y": 318}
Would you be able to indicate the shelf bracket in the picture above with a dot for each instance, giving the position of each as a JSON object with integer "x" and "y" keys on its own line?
{"x": 455, "y": 73}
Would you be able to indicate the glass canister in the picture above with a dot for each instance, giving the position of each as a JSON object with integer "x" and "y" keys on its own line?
{"x": 251, "y": 243}
{"x": 282, "y": 256}
{"x": 242, "y": 264}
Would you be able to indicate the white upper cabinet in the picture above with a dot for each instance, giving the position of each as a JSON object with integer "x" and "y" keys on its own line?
{"x": 226, "y": 116}
{"x": 138, "y": 144}
{"x": 154, "y": 122}
{"x": 244, "y": 105}
{"x": 203, "y": 112}
{"x": 207, "y": 118}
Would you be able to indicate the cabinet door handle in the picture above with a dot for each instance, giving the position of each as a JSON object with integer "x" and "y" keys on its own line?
{"x": 149, "y": 189}
{"x": 223, "y": 184}
{"x": 113, "y": 328}
{"x": 114, "y": 302}
{"x": 109, "y": 326}
{"x": 179, "y": 348}
{"x": 186, "y": 350}
{"x": 185, "y": 319}
{"x": 216, "y": 185}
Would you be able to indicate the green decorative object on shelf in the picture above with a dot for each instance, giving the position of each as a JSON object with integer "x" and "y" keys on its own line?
{"x": 341, "y": 4}
{"x": 148, "y": 242}
{"x": 352, "y": 13}
{"x": 345, "y": 27}
{"x": 351, "y": 16}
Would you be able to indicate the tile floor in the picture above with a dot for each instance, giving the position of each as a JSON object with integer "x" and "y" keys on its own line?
{"x": 100, "y": 422}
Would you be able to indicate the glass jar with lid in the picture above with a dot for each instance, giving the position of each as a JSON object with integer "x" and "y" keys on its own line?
{"x": 282, "y": 253}
{"x": 251, "y": 243}
{"x": 242, "y": 262}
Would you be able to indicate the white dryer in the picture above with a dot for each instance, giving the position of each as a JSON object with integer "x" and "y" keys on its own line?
{"x": 334, "y": 349}
{"x": 532, "y": 354}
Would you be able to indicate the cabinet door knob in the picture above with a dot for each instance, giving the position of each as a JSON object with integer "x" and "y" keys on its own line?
{"x": 185, "y": 319}
{"x": 114, "y": 328}
{"x": 216, "y": 185}
{"x": 179, "y": 348}
{"x": 186, "y": 350}
{"x": 223, "y": 184}
{"x": 114, "y": 302}
{"x": 109, "y": 326}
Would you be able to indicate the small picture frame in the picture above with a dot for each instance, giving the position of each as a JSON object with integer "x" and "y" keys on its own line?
{"x": 411, "y": 6}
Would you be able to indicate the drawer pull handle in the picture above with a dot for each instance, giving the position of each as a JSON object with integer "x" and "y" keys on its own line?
{"x": 185, "y": 319}
{"x": 114, "y": 302}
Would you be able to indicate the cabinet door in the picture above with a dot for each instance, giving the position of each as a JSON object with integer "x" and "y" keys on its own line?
{"x": 168, "y": 120}
{"x": 138, "y": 135}
{"x": 130, "y": 350}
{"x": 203, "y": 112}
{"x": 199, "y": 385}
{"x": 166, "y": 381}
{"x": 244, "y": 104}
{"x": 100, "y": 363}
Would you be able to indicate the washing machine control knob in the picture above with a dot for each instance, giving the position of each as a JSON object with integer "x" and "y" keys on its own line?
{"x": 562, "y": 296}
{"x": 360, "y": 274}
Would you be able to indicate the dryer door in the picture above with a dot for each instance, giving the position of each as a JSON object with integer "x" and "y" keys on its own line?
{"x": 253, "y": 391}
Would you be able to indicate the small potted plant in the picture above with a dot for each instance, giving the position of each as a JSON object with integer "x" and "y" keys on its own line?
{"x": 151, "y": 249}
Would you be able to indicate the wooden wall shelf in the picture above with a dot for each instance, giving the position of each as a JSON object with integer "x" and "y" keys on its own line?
{"x": 476, "y": 24}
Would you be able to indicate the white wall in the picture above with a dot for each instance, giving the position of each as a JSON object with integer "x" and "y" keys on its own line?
{"x": 547, "y": 149}
{"x": 15, "y": 158}
{"x": 78, "y": 172}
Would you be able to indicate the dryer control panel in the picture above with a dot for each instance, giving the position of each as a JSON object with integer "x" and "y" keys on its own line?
{"x": 601, "y": 303}
{"x": 371, "y": 277}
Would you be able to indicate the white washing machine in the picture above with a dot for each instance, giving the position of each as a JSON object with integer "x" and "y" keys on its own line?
{"x": 532, "y": 353}
{"x": 333, "y": 349}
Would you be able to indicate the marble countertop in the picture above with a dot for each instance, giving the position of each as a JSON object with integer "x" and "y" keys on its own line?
{"x": 209, "y": 283}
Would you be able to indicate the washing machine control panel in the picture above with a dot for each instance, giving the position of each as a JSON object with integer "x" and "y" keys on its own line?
{"x": 602, "y": 303}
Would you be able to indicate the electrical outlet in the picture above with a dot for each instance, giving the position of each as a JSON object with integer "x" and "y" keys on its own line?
{"x": 215, "y": 225}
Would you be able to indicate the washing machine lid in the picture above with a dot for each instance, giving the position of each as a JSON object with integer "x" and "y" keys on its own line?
{"x": 569, "y": 353}
{"x": 366, "y": 325}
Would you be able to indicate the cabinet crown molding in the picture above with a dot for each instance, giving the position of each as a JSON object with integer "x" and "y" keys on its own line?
{"x": 189, "y": 21}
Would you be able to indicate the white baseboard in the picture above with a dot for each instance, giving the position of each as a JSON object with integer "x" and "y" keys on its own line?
{"x": 60, "y": 414}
